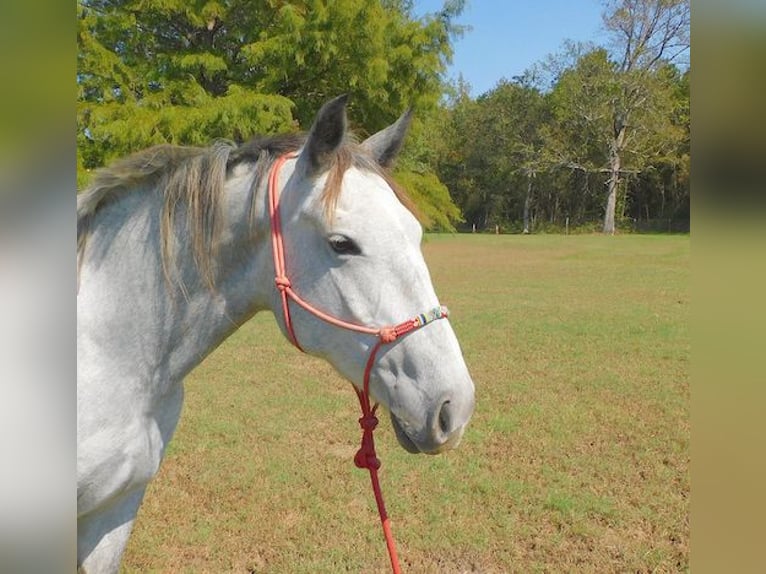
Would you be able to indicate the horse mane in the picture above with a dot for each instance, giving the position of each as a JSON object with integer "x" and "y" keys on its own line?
{"x": 195, "y": 177}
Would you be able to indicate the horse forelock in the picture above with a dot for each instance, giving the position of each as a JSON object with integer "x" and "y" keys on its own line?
{"x": 354, "y": 155}
{"x": 349, "y": 154}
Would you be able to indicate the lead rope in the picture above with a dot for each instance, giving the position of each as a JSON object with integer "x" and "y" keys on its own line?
{"x": 365, "y": 457}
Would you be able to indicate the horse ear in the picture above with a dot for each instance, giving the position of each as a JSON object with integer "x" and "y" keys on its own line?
{"x": 326, "y": 136}
{"x": 385, "y": 145}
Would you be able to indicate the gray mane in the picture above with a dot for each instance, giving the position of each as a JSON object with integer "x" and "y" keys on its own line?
{"x": 171, "y": 164}
{"x": 194, "y": 177}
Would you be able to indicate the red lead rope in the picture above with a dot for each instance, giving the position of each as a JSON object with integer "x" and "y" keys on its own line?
{"x": 365, "y": 456}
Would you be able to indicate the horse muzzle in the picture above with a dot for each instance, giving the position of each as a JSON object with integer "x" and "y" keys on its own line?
{"x": 443, "y": 428}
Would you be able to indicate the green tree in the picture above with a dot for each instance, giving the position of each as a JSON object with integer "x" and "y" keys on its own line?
{"x": 155, "y": 71}
{"x": 453, "y": 166}
{"x": 152, "y": 71}
{"x": 590, "y": 118}
{"x": 520, "y": 114}
{"x": 426, "y": 144}
{"x": 501, "y": 152}
{"x": 661, "y": 192}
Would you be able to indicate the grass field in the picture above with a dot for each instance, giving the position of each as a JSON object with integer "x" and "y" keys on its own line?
{"x": 576, "y": 460}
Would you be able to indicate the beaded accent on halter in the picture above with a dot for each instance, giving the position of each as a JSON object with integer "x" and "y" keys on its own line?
{"x": 391, "y": 334}
{"x": 433, "y": 315}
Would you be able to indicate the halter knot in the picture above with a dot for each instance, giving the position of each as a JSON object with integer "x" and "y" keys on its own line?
{"x": 366, "y": 457}
{"x": 368, "y": 422}
{"x": 388, "y": 335}
{"x": 282, "y": 282}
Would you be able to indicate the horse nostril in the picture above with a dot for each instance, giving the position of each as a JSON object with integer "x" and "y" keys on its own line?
{"x": 445, "y": 418}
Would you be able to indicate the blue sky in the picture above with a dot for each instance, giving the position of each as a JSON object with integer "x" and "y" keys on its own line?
{"x": 509, "y": 36}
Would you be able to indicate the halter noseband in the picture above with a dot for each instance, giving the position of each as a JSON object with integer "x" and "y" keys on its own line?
{"x": 365, "y": 456}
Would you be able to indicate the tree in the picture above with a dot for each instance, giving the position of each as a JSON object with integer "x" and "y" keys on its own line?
{"x": 613, "y": 122}
{"x": 451, "y": 164}
{"x": 151, "y": 71}
{"x": 511, "y": 118}
{"x": 661, "y": 192}
{"x": 646, "y": 35}
{"x": 547, "y": 143}
{"x": 426, "y": 143}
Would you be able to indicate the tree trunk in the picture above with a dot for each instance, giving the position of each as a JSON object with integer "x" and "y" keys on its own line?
{"x": 614, "y": 180}
{"x": 611, "y": 198}
{"x": 527, "y": 201}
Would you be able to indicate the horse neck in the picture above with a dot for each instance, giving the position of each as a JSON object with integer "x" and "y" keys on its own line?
{"x": 125, "y": 295}
{"x": 244, "y": 277}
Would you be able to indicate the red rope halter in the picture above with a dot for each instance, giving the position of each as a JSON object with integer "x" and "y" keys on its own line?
{"x": 365, "y": 456}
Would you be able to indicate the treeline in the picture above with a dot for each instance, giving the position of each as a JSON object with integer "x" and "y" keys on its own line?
{"x": 528, "y": 158}
{"x": 585, "y": 131}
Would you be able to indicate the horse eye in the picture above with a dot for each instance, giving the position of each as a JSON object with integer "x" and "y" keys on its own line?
{"x": 342, "y": 245}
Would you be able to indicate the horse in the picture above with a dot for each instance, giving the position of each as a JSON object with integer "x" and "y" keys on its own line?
{"x": 174, "y": 254}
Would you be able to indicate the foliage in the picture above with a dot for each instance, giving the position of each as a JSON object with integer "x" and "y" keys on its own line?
{"x": 545, "y": 146}
{"x": 425, "y": 144}
{"x": 550, "y": 146}
{"x": 647, "y": 33}
{"x": 432, "y": 199}
{"x": 115, "y": 129}
{"x": 151, "y": 71}
{"x": 592, "y": 100}
{"x": 500, "y": 134}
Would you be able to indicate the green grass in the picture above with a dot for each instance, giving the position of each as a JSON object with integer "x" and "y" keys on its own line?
{"x": 577, "y": 458}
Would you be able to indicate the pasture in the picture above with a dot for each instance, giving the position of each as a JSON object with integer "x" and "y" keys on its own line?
{"x": 577, "y": 457}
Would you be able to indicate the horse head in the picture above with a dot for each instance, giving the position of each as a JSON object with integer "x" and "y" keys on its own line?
{"x": 352, "y": 249}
